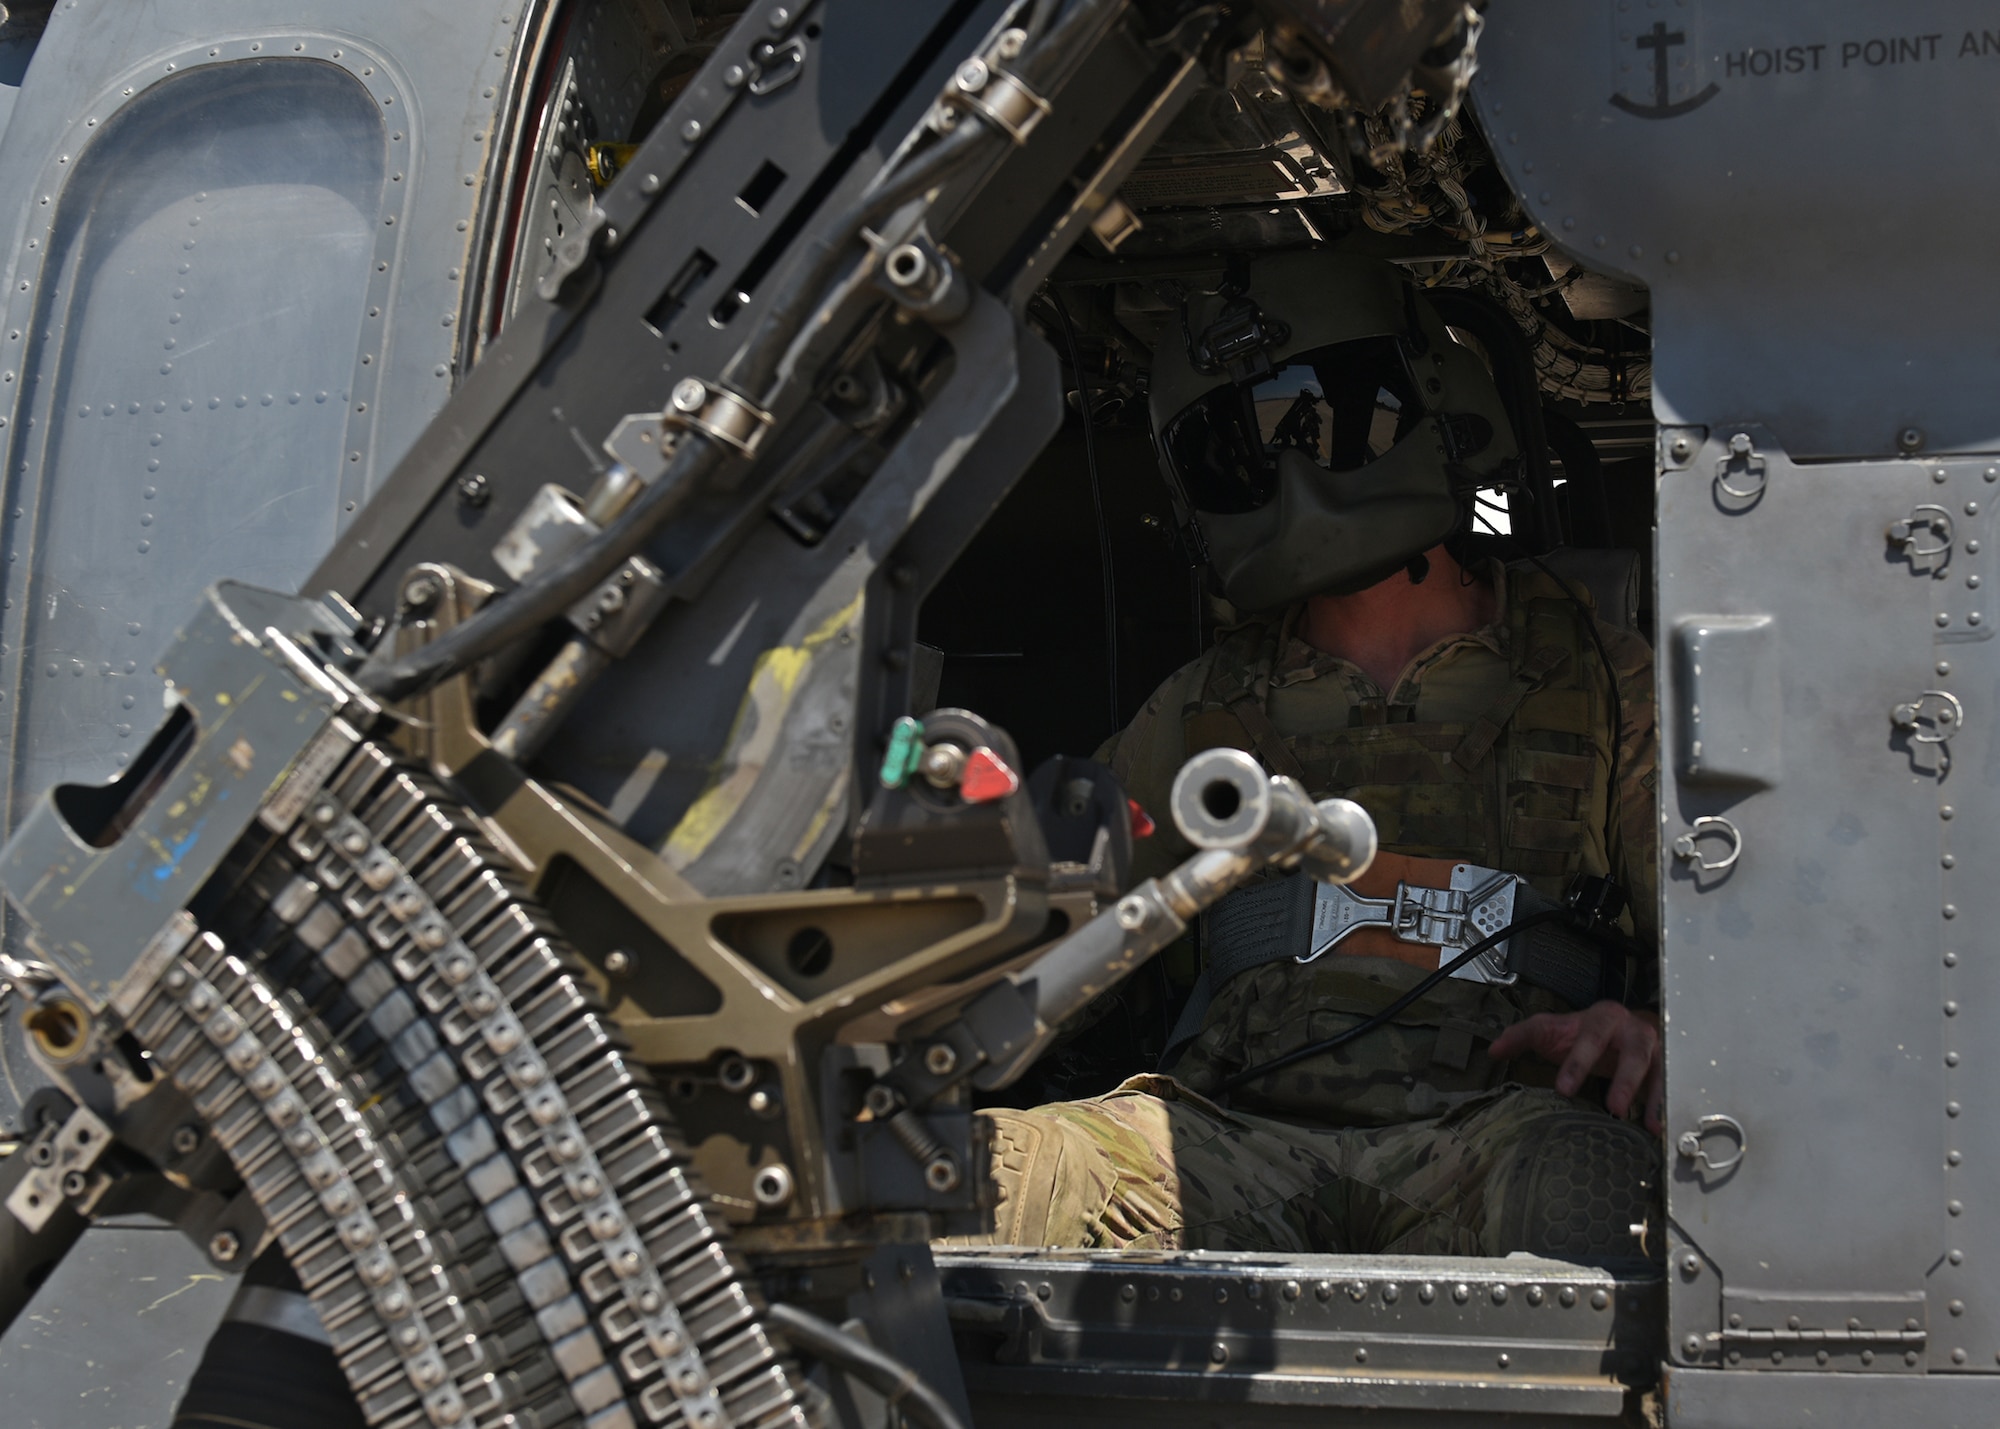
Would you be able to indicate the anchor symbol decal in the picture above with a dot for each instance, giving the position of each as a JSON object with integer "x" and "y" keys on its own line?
{"x": 1659, "y": 42}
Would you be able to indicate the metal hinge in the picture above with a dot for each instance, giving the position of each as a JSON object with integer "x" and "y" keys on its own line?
{"x": 59, "y": 1163}
{"x": 1895, "y": 1339}
{"x": 1772, "y": 1329}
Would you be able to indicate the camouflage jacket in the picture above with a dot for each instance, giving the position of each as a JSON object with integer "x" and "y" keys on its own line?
{"x": 1494, "y": 747}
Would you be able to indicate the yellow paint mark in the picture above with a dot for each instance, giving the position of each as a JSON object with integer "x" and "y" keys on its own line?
{"x": 759, "y": 723}
{"x": 177, "y": 808}
{"x": 222, "y": 697}
{"x": 288, "y": 695}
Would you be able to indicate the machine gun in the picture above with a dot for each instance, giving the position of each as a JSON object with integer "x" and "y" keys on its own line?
{"x": 573, "y": 1091}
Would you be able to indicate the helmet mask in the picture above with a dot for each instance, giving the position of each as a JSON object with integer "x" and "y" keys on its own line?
{"x": 1321, "y": 429}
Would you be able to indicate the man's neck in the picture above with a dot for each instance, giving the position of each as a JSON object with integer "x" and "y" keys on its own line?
{"x": 1383, "y": 628}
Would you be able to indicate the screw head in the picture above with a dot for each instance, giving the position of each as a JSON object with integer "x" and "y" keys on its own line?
{"x": 225, "y": 1246}
{"x": 940, "y": 1060}
{"x": 474, "y": 490}
{"x": 689, "y": 395}
{"x": 186, "y": 1139}
{"x": 618, "y": 962}
{"x": 735, "y": 1074}
{"x": 972, "y": 76}
{"x": 1690, "y": 1264}
{"x": 942, "y": 765}
{"x": 734, "y": 76}
{"x": 1133, "y": 913}
{"x": 1910, "y": 439}
{"x": 772, "y": 1186}
{"x": 941, "y": 1174}
{"x": 420, "y": 592}
{"x": 1681, "y": 448}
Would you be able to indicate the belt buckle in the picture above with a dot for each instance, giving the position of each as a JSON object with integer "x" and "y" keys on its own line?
{"x": 1478, "y": 904}
{"x": 1486, "y": 898}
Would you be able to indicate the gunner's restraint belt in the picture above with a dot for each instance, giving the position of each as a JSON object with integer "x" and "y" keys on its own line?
{"x": 1295, "y": 917}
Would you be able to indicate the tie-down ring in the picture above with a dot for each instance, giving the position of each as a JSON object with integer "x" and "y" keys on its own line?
{"x": 1686, "y": 851}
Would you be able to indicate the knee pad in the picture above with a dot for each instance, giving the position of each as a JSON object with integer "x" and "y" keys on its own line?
{"x": 1577, "y": 1186}
{"x": 1024, "y": 1156}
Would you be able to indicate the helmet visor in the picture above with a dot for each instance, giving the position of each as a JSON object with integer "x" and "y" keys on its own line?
{"x": 1342, "y": 405}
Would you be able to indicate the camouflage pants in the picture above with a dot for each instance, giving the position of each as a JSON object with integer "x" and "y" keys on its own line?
{"x": 1153, "y": 1165}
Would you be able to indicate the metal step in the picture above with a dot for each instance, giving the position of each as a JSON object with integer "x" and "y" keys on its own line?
{"x": 1213, "y": 1337}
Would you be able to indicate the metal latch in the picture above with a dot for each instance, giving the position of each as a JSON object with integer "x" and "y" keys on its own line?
{"x": 1932, "y": 718}
{"x": 1925, "y": 532}
{"x": 1479, "y": 903}
{"x": 1743, "y": 463}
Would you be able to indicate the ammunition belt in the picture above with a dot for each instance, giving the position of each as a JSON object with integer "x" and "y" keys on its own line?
{"x": 481, "y": 1192}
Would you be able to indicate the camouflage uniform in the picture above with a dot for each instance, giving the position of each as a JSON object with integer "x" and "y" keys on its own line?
{"x": 1493, "y": 749}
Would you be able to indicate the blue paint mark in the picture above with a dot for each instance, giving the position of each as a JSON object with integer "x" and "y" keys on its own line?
{"x": 178, "y": 851}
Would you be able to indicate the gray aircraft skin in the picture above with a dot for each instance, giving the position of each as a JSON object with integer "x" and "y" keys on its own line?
{"x": 257, "y": 249}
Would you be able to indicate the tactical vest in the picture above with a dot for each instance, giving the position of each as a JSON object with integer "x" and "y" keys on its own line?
{"x": 1515, "y": 788}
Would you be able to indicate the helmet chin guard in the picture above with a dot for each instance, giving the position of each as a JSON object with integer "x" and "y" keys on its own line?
{"x": 1334, "y": 532}
{"x": 1323, "y": 428}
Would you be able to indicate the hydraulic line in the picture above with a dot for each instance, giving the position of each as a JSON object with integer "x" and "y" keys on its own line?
{"x": 1106, "y": 574}
{"x": 889, "y": 1377}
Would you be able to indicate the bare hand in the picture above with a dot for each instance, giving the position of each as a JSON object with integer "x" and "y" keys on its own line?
{"x": 1604, "y": 1040}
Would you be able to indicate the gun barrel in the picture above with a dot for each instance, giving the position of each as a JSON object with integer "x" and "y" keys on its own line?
{"x": 1240, "y": 821}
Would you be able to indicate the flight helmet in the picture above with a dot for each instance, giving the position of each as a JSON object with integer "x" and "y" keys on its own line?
{"x": 1320, "y": 427}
